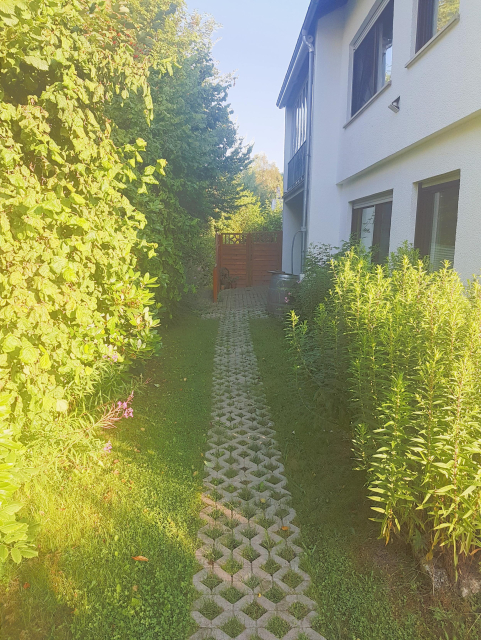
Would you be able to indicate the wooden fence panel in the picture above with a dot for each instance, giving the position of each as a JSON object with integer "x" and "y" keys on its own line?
{"x": 249, "y": 257}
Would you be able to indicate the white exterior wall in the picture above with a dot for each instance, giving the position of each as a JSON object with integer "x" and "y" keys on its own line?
{"x": 438, "y": 129}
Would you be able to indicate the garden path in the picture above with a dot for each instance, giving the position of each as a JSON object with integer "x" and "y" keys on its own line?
{"x": 251, "y": 584}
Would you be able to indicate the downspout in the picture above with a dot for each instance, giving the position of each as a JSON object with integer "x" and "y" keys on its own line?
{"x": 308, "y": 41}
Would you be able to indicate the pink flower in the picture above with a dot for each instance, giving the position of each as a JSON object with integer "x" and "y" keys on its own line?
{"x": 286, "y": 300}
{"x": 108, "y": 447}
{"x": 129, "y": 413}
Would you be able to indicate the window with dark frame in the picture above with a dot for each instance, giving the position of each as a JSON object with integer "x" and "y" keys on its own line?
{"x": 372, "y": 61}
{"x": 433, "y": 16}
{"x": 371, "y": 225}
{"x": 436, "y": 222}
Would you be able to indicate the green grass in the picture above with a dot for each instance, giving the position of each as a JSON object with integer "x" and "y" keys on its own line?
{"x": 364, "y": 590}
{"x": 85, "y": 584}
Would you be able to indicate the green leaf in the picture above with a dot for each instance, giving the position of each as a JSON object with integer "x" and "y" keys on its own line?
{"x": 28, "y": 553}
{"x": 58, "y": 264}
{"x": 69, "y": 274}
{"x": 3, "y": 552}
{"x": 45, "y": 362}
{"x": 29, "y": 355}
{"x": 7, "y": 6}
{"x": 11, "y": 343}
{"x": 61, "y": 406}
{"x": 36, "y": 62}
{"x": 445, "y": 489}
{"x": 16, "y": 555}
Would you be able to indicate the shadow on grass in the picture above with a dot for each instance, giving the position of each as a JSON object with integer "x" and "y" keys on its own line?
{"x": 143, "y": 501}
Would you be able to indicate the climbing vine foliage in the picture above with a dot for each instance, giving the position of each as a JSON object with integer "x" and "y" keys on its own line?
{"x": 72, "y": 297}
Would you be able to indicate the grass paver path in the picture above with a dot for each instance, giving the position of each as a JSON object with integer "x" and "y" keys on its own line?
{"x": 250, "y": 585}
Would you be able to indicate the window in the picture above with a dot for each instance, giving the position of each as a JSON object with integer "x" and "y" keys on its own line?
{"x": 300, "y": 121}
{"x": 433, "y": 16}
{"x": 372, "y": 61}
{"x": 371, "y": 225}
{"x": 436, "y": 221}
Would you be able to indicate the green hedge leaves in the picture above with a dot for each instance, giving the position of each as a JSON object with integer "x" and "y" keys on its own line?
{"x": 72, "y": 295}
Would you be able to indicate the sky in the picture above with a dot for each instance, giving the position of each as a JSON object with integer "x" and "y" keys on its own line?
{"x": 256, "y": 41}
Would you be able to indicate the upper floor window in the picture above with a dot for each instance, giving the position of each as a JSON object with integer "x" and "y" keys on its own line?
{"x": 372, "y": 61}
{"x": 299, "y": 130}
{"x": 433, "y": 16}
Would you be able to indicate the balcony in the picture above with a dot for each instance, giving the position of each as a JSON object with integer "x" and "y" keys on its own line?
{"x": 296, "y": 168}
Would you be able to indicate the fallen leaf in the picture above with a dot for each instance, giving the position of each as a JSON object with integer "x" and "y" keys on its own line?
{"x": 124, "y": 480}
{"x": 26, "y": 585}
{"x": 284, "y": 528}
{"x": 137, "y": 450}
{"x": 195, "y": 473}
{"x": 135, "y": 588}
{"x": 140, "y": 558}
{"x": 157, "y": 385}
{"x": 116, "y": 472}
{"x": 116, "y": 462}
{"x": 142, "y": 428}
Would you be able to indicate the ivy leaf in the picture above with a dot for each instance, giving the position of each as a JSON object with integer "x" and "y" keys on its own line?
{"x": 36, "y": 62}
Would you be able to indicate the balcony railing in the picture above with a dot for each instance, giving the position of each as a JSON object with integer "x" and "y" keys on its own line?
{"x": 296, "y": 168}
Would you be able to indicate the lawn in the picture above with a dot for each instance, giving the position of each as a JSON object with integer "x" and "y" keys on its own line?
{"x": 364, "y": 590}
{"x": 144, "y": 501}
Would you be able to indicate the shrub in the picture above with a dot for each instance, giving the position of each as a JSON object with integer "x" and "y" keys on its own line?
{"x": 402, "y": 345}
{"x": 72, "y": 296}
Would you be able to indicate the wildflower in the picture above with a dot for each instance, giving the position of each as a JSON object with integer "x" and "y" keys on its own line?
{"x": 286, "y": 300}
{"x": 108, "y": 447}
{"x": 129, "y": 413}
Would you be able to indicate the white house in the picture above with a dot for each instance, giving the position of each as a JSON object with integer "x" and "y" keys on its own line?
{"x": 391, "y": 149}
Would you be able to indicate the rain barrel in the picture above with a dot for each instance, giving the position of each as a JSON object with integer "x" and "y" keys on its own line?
{"x": 280, "y": 286}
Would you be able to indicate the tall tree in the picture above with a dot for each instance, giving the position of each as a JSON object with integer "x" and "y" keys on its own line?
{"x": 263, "y": 179}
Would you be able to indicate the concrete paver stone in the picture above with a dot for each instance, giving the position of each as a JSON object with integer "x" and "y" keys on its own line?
{"x": 247, "y": 541}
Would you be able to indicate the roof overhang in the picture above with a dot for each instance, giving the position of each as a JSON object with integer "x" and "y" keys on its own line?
{"x": 317, "y": 9}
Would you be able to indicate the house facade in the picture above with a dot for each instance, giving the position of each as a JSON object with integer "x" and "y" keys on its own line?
{"x": 383, "y": 130}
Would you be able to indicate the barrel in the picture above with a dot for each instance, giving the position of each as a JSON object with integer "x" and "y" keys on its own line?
{"x": 281, "y": 285}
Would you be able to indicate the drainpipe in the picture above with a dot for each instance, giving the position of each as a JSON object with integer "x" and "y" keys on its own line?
{"x": 308, "y": 41}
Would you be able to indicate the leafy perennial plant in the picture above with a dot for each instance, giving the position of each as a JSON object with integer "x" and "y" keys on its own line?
{"x": 403, "y": 344}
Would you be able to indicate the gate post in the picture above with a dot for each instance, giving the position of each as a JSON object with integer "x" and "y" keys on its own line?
{"x": 249, "y": 259}
{"x": 218, "y": 259}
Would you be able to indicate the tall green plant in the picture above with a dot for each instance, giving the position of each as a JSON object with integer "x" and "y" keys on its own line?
{"x": 409, "y": 342}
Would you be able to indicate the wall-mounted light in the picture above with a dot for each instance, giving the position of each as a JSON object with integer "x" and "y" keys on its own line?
{"x": 395, "y": 105}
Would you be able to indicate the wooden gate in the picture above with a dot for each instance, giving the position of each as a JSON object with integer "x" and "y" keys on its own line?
{"x": 248, "y": 258}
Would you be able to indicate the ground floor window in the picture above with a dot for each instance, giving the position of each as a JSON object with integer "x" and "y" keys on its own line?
{"x": 371, "y": 225}
{"x": 436, "y": 221}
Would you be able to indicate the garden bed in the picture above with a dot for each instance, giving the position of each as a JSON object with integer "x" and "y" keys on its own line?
{"x": 364, "y": 589}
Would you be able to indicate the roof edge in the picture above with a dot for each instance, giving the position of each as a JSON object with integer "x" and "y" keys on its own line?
{"x": 317, "y": 9}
